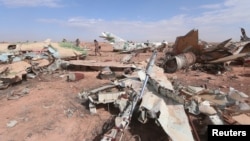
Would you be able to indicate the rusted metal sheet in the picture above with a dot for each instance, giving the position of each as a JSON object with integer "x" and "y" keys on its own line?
{"x": 242, "y": 119}
{"x": 186, "y": 43}
{"x": 75, "y": 76}
{"x": 229, "y": 120}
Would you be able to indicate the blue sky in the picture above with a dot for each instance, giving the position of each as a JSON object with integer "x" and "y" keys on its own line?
{"x": 136, "y": 20}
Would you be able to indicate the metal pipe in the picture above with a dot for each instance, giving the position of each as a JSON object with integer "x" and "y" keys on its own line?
{"x": 179, "y": 62}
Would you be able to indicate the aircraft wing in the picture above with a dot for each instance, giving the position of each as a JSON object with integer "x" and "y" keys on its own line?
{"x": 107, "y": 38}
{"x": 111, "y": 37}
{"x": 171, "y": 114}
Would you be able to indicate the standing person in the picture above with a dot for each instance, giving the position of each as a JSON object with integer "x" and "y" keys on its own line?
{"x": 97, "y": 48}
{"x": 78, "y": 42}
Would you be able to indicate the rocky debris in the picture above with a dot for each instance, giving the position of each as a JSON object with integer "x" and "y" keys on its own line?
{"x": 11, "y": 123}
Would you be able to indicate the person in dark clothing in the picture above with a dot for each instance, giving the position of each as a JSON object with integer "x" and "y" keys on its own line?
{"x": 97, "y": 48}
{"x": 78, "y": 42}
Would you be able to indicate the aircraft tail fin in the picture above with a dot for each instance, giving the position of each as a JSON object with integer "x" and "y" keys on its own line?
{"x": 244, "y": 36}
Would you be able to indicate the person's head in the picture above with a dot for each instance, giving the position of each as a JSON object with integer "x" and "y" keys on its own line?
{"x": 95, "y": 40}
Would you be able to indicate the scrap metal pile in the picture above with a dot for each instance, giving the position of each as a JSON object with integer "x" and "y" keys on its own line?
{"x": 189, "y": 51}
{"x": 147, "y": 91}
{"x": 18, "y": 65}
{"x": 144, "y": 89}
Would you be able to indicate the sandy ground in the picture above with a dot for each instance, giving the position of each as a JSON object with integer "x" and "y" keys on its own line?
{"x": 52, "y": 111}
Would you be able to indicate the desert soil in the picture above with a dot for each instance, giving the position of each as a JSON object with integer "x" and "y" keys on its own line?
{"x": 52, "y": 110}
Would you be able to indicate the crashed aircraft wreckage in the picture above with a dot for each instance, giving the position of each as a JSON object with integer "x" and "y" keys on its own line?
{"x": 189, "y": 50}
{"x": 154, "y": 103}
{"x": 135, "y": 89}
{"x": 123, "y": 46}
{"x": 154, "y": 96}
{"x": 18, "y": 65}
{"x": 151, "y": 94}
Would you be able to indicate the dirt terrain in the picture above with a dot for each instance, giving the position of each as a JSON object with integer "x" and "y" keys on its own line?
{"x": 51, "y": 109}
